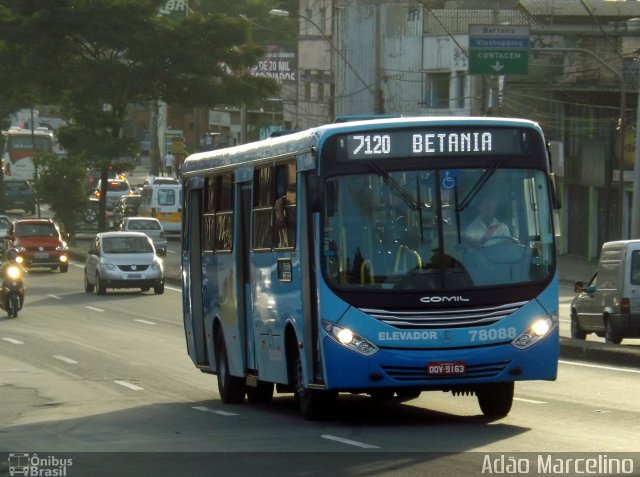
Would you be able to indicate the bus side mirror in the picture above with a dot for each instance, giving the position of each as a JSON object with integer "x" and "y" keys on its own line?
{"x": 315, "y": 193}
{"x": 332, "y": 197}
{"x": 555, "y": 197}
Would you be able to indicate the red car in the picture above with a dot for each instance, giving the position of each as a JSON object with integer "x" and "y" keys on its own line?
{"x": 39, "y": 243}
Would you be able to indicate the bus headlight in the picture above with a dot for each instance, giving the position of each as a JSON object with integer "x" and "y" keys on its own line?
{"x": 539, "y": 329}
{"x": 349, "y": 339}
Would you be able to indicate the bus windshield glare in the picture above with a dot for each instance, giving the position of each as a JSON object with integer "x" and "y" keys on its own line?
{"x": 437, "y": 229}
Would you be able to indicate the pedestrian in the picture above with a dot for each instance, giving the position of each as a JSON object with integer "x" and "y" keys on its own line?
{"x": 168, "y": 162}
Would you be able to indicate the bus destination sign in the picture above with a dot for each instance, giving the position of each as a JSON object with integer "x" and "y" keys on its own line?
{"x": 408, "y": 143}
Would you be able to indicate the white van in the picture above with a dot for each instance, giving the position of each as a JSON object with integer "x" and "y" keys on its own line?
{"x": 609, "y": 305}
{"x": 162, "y": 198}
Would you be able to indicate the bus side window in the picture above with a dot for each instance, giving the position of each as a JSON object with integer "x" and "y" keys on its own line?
{"x": 224, "y": 212}
{"x": 263, "y": 192}
{"x": 209, "y": 228}
{"x": 284, "y": 207}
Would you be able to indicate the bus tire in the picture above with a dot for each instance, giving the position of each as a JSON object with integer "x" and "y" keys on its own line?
{"x": 495, "y": 400}
{"x": 313, "y": 404}
{"x": 262, "y": 393}
{"x": 231, "y": 388}
{"x": 408, "y": 394}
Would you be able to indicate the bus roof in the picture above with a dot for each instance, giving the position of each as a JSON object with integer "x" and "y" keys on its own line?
{"x": 304, "y": 141}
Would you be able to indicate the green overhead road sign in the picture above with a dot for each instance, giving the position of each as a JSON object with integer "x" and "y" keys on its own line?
{"x": 498, "y": 49}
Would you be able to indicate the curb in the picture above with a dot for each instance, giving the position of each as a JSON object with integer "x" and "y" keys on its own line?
{"x": 602, "y": 353}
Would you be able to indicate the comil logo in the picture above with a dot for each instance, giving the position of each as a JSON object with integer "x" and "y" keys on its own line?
{"x": 24, "y": 463}
{"x": 443, "y": 299}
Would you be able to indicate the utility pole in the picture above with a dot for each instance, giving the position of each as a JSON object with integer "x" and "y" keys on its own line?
{"x": 635, "y": 204}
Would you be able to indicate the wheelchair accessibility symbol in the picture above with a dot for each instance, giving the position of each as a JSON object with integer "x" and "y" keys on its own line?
{"x": 448, "y": 180}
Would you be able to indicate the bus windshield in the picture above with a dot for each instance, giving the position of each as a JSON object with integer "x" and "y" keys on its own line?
{"x": 438, "y": 229}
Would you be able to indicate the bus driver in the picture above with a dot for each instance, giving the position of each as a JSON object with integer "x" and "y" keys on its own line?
{"x": 486, "y": 227}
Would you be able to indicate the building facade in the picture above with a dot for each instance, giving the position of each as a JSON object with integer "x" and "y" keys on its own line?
{"x": 411, "y": 58}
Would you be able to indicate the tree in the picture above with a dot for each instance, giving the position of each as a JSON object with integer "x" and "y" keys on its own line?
{"x": 101, "y": 56}
{"x": 61, "y": 185}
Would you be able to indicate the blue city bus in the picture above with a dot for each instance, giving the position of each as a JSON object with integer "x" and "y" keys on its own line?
{"x": 348, "y": 259}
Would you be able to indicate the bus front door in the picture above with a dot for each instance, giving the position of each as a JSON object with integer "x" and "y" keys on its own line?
{"x": 243, "y": 268}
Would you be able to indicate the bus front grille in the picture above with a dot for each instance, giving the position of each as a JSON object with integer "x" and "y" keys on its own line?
{"x": 450, "y": 318}
{"x": 419, "y": 373}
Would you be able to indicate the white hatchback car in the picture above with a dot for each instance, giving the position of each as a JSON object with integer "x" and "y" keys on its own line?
{"x": 151, "y": 227}
{"x": 123, "y": 260}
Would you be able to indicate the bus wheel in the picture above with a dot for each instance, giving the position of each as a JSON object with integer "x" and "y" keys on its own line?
{"x": 495, "y": 399}
{"x": 263, "y": 393}
{"x": 231, "y": 388}
{"x": 313, "y": 404}
{"x": 407, "y": 394}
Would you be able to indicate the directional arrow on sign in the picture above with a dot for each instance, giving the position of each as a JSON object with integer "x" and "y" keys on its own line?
{"x": 497, "y": 66}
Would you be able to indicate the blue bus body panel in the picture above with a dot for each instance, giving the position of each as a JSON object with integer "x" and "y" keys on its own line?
{"x": 275, "y": 304}
{"x": 486, "y": 351}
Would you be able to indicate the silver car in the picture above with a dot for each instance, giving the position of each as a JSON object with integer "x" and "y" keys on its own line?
{"x": 150, "y": 226}
{"x": 123, "y": 260}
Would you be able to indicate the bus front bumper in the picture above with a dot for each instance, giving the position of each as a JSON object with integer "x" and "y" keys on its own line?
{"x": 348, "y": 371}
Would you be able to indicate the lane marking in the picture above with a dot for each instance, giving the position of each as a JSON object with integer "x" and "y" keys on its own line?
{"x": 600, "y": 366}
{"x": 530, "y": 401}
{"x": 13, "y": 341}
{"x": 144, "y": 322}
{"x": 173, "y": 288}
{"x": 93, "y": 308}
{"x": 55, "y": 297}
{"x": 129, "y": 385}
{"x": 65, "y": 359}
{"x": 214, "y": 411}
{"x": 349, "y": 442}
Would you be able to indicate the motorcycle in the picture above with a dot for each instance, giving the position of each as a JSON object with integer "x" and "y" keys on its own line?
{"x": 12, "y": 289}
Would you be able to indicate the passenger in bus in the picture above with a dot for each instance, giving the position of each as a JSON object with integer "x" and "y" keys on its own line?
{"x": 486, "y": 229}
{"x": 280, "y": 207}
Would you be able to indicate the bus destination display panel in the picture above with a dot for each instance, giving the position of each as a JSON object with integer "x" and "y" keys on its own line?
{"x": 435, "y": 142}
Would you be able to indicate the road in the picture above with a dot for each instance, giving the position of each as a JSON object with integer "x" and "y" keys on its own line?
{"x": 86, "y": 373}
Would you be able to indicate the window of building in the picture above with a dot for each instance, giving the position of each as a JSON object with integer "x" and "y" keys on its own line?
{"x": 461, "y": 89}
{"x": 307, "y": 90}
{"x": 436, "y": 90}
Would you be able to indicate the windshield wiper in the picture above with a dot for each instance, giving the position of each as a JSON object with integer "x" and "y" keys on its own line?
{"x": 395, "y": 187}
{"x": 484, "y": 178}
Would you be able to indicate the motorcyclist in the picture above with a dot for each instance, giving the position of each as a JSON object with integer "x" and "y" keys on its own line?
{"x": 12, "y": 261}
